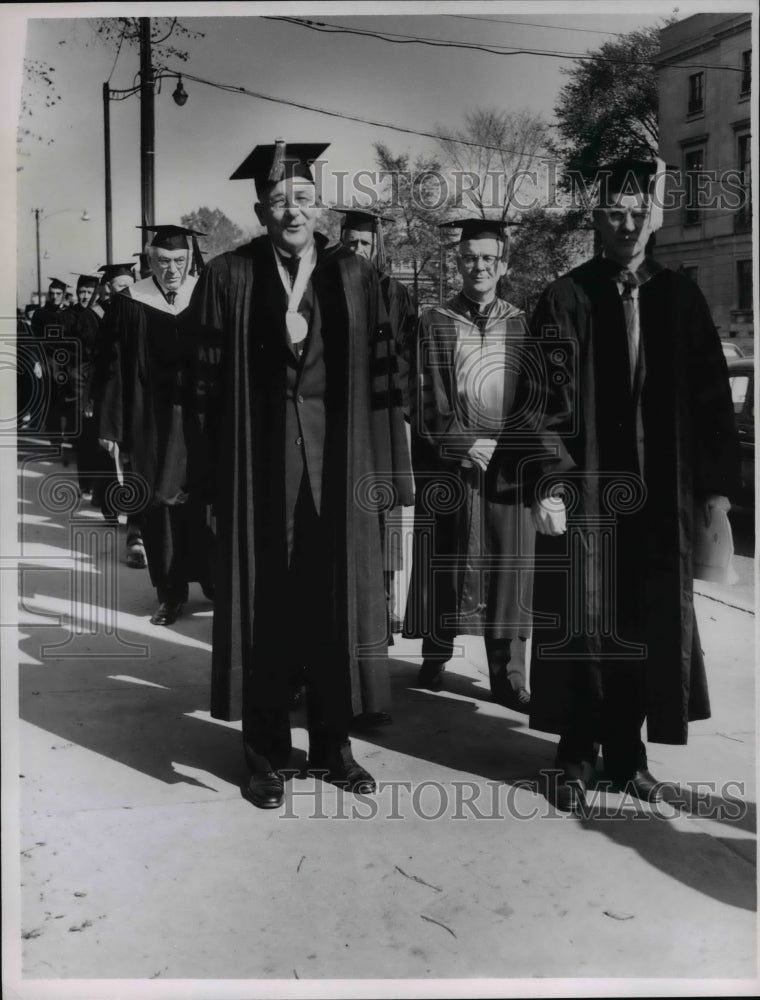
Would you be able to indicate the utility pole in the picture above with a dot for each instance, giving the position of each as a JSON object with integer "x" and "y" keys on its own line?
{"x": 39, "y": 279}
{"x": 147, "y": 130}
{"x": 107, "y": 141}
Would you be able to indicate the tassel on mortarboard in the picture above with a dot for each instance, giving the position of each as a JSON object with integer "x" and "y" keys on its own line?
{"x": 380, "y": 261}
{"x": 277, "y": 169}
{"x": 197, "y": 262}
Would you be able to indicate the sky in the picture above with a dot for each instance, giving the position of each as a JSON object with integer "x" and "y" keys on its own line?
{"x": 199, "y": 145}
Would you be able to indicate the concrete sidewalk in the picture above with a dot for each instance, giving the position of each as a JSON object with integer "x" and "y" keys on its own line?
{"x": 141, "y": 860}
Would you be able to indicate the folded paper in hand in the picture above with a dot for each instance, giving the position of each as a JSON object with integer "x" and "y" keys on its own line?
{"x": 713, "y": 548}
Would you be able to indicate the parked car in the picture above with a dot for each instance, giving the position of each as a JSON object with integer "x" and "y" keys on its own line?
{"x": 741, "y": 376}
{"x": 731, "y": 351}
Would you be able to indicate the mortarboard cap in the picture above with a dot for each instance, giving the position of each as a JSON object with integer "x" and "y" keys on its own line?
{"x": 477, "y": 229}
{"x": 57, "y": 283}
{"x": 111, "y": 271}
{"x": 177, "y": 238}
{"x": 171, "y": 237}
{"x": 86, "y": 280}
{"x": 361, "y": 220}
{"x": 268, "y": 165}
{"x": 481, "y": 229}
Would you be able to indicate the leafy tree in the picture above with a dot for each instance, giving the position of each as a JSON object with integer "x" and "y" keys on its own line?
{"x": 544, "y": 245}
{"x": 495, "y": 148}
{"x": 167, "y": 35}
{"x": 417, "y": 202}
{"x": 608, "y": 107}
{"x": 221, "y": 233}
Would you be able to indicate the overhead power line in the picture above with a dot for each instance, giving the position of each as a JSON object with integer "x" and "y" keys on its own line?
{"x": 235, "y": 89}
{"x": 399, "y": 39}
{"x": 532, "y": 24}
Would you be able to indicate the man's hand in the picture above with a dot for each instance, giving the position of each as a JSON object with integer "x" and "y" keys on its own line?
{"x": 715, "y": 503}
{"x": 548, "y": 516}
{"x": 482, "y": 451}
{"x": 110, "y": 446}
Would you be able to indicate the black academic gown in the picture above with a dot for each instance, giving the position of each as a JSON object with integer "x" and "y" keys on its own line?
{"x": 143, "y": 408}
{"x": 473, "y": 542}
{"x": 635, "y": 462}
{"x": 246, "y": 455}
{"x": 402, "y": 318}
{"x": 54, "y": 326}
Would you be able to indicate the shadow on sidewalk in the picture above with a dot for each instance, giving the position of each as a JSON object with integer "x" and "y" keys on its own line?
{"x": 146, "y": 712}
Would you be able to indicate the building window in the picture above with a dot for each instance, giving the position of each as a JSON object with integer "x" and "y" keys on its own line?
{"x": 691, "y": 271}
{"x": 696, "y": 92}
{"x": 746, "y": 71}
{"x": 693, "y": 164}
{"x": 744, "y": 157}
{"x": 744, "y": 285}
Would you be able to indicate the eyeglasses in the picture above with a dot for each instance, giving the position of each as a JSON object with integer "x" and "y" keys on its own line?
{"x": 471, "y": 260}
{"x": 617, "y": 216}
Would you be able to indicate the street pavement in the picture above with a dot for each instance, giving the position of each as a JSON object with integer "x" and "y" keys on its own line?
{"x": 139, "y": 858}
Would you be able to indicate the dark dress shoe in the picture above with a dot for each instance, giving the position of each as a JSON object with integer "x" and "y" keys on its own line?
{"x": 517, "y": 699}
{"x": 371, "y": 720}
{"x": 431, "y": 675}
{"x": 136, "y": 558}
{"x": 167, "y": 613}
{"x": 571, "y": 787}
{"x": 641, "y": 784}
{"x": 341, "y": 768}
{"x": 265, "y": 789}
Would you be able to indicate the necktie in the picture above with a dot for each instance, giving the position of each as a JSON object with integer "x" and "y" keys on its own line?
{"x": 171, "y": 298}
{"x": 629, "y": 281}
{"x": 291, "y": 265}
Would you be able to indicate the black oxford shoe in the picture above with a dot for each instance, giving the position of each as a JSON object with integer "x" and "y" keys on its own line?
{"x": 641, "y": 785}
{"x": 265, "y": 789}
{"x": 517, "y": 699}
{"x": 166, "y": 613}
{"x": 431, "y": 675}
{"x": 572, "y": 784}
{"x": 342, "y": 769}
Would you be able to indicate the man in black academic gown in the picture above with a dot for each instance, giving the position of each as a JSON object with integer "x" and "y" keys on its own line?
{"x": 303, "y": 433}
{"x": 94, "y": 332}
{"x": 635, "y": 446}
{"x": 362, "y": 234}
{"x": 143, "y": 414}
{"x": 472, "y": 572}
{"x": 53, "y": 324}
{"x": 84, "y": 330}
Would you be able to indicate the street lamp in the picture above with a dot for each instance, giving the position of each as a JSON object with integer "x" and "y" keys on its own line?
{"x": 38, "y": 218}
{"x": 146, "y": 88}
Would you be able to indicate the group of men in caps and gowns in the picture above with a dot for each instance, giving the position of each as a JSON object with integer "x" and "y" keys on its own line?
{"x": 272, "y": 389}
{"x": 142, "y": 414}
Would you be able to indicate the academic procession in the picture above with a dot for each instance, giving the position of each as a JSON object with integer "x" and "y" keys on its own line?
{"x": 310, "y": 545}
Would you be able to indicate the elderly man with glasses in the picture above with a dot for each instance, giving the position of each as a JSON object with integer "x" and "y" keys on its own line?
{"x": 473, "y": 549}
{"x": 143, "y": 413}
